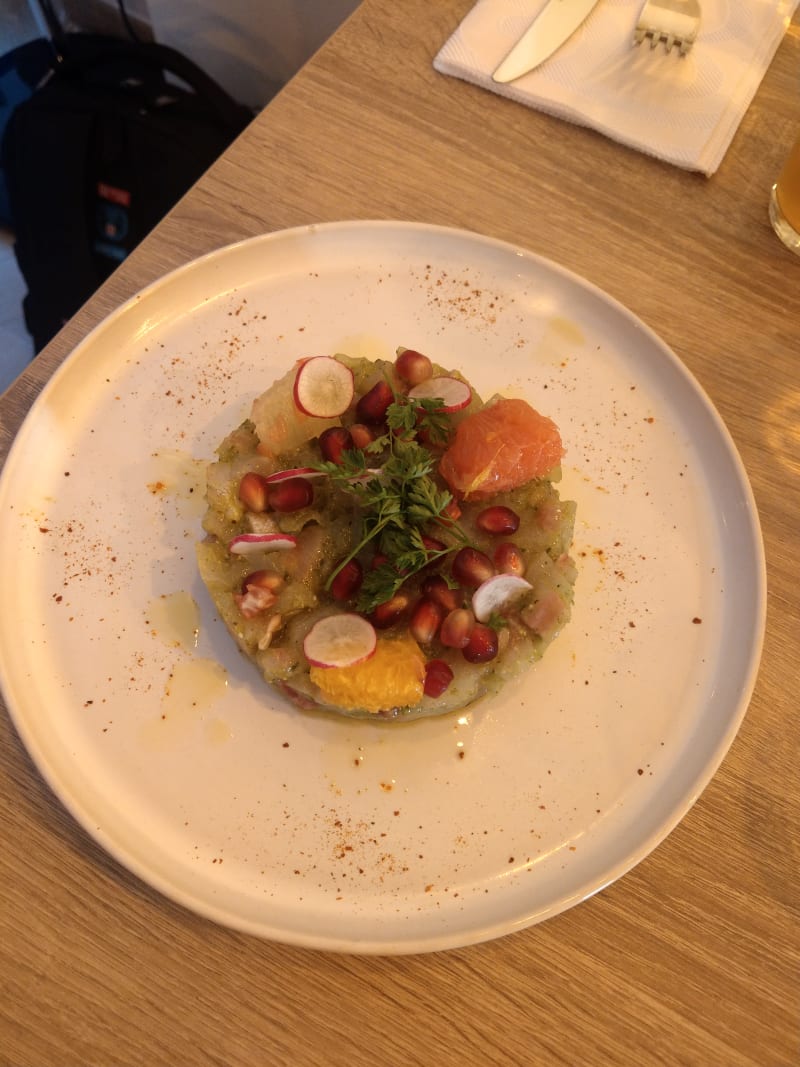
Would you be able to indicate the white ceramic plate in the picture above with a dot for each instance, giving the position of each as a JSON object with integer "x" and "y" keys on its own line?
{"x": 345, "y": 835}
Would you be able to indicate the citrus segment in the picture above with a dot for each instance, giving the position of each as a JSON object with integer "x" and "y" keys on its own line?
{"x": 392, "y": 677}
{"x": 500, "y": 447}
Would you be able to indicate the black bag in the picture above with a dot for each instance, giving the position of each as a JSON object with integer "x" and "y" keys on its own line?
{"x": 97, "y": 156}
{"x": 21, "y": 70}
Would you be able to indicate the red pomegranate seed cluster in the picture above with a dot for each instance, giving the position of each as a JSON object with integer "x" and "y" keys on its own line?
{"x": 290, "y": 494}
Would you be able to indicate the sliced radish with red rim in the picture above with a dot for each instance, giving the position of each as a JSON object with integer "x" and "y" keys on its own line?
{"x": 496, "y": 593}
{"x": 323, "y": 387}
{"x": 340, "y": 641}
{"x": 249, "y": 544}
{"x": 453, "y": 393}
{"x": 293, "y": 472}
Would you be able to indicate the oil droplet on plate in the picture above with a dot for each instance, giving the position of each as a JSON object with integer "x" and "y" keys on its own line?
{"x": 191, "y": 689}
{"x": 396, "y": 757}
{"x": 179, "y": 475}
{"x": 560, "y": 339}
{"x": 174, "y": 618}
{"x": 568, "y": 330}
{"x": 363, "y": 345}
{"x": 218, "y": 732}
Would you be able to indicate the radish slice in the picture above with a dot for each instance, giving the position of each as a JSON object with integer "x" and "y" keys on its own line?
{"x": 293, "y": 472}
{"x": 495, "y": 593}
{"x": 248, "y": 544}
{"x": 369, "y": 472}
{"x": 323, "y": 387}
{"x": 340, "y": 641}
{"x": 454, "y": 393}
{"x": 309, "y": 472}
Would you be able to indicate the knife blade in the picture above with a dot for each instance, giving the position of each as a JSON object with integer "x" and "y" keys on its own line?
{"x": 555, "y": 24}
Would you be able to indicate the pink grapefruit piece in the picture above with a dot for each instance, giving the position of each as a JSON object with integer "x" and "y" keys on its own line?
{"x": 502, "y": 446}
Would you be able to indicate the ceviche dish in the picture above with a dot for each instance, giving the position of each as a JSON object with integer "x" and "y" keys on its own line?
{"x": 383, "y": 543}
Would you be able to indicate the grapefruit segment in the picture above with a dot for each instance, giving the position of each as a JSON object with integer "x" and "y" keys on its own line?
{"x": 502, "y": 446}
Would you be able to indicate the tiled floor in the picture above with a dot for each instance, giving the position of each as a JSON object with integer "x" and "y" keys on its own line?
{"x": 16, "y": 345}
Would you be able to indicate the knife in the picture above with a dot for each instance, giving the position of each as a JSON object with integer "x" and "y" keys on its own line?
{"x": 557, "y": 21}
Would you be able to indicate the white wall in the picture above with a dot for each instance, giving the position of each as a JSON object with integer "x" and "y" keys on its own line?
{"x": 249, "y": 46}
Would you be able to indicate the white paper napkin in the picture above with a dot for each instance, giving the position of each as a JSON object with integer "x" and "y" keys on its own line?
{"x": 683, "y": 109}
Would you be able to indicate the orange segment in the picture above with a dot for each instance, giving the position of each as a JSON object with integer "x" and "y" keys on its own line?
{"x": 500, "y": 447}
{"x": 392, "y": 677}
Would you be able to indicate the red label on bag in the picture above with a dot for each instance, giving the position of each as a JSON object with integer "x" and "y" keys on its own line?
{"x": 114, "y": 194}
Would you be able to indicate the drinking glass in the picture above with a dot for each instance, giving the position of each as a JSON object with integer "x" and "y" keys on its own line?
{"x": 784, "y": 202}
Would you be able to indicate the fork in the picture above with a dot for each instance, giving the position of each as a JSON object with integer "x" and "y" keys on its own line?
{"x": 671, "y": 22}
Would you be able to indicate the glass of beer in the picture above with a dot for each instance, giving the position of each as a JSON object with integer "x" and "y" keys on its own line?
{"x": 784, "y": 202}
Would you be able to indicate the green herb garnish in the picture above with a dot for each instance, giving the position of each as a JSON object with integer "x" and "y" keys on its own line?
{"x": 399, "y": 501}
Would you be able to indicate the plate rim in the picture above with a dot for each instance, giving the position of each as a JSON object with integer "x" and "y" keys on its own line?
{"x": 503, "y": 926}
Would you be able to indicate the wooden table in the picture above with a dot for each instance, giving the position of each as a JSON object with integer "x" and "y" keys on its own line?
{"x": 693, "y": 957}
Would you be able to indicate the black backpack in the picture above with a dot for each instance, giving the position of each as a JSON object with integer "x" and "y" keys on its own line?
{"x": 96, "y": 156}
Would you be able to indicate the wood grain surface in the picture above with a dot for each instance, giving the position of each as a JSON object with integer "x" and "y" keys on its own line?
{"x": 692, "y": 959}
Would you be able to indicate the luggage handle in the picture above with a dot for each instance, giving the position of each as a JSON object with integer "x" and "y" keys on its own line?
{"x": 161, "y": 57}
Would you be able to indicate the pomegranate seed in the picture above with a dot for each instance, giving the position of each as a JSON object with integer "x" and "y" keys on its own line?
{"x": 390, "y": 611}
{"x": 438, "y": 676}
{"x": 334, "y": 441}
{"x": 452, "y": 511}
{"x": 371, "y": 408}
{"x": 434, "y": 548}
{"x": 436, "y": 588}
{"x": 262, "y": 580}
{"x": 471, "y": 567}
{"x": 508, "y": 559}
{"x": 362, "y": 435}
{"x": 254, "y": 492}
{"x": 482, "y": 645}
{"x": 457, "y": 628}
{"x": 434, "y": 443}
{"x": 348, "y": 581}
{"x": 498, "y": 520}
{"x": 291, "y": 494}
{"x": 433, "y": 544}
{"x": 425, "y": 620}
{"x": 413, "y": 367}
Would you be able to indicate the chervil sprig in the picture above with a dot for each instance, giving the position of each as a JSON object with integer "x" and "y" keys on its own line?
{"x": 399, "y": 499}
